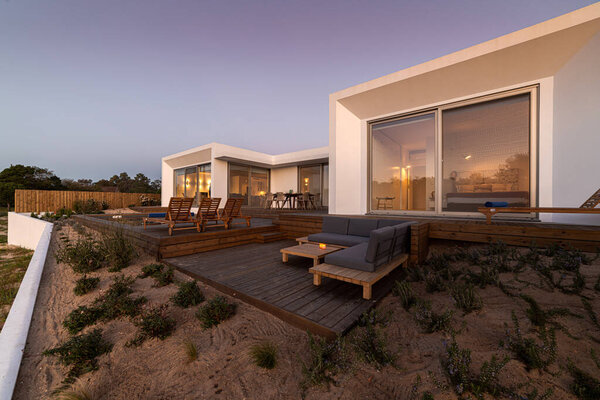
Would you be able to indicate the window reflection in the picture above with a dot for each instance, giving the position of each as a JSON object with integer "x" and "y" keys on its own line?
{"x": 403, "y": 164}
{"x": 486, "y": 154}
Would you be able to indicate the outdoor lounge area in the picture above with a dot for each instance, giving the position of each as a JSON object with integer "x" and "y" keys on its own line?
{"x": 255, "y": 274}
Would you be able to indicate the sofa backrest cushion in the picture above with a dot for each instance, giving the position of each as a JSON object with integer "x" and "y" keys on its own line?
{"x": 402, "y": 238}
{"x": 361, "y": 226}
{"x": 388, "y": 222}
{"x": 335, "y": 225}
{"x": 380, "y": 245}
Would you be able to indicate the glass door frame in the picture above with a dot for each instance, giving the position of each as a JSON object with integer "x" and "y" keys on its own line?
{"x": 249, "y": 167}
{"x": 321, "y": 175}
{"x": 533, "y": 92}
{"x": 370, "y": 210}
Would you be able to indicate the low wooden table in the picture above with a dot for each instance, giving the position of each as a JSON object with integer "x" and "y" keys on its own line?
{"x": 308, "y": 250}
{"x": 304, "y": 240}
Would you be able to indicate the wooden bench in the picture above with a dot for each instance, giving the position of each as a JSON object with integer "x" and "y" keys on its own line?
{"x": 363, "y": 278}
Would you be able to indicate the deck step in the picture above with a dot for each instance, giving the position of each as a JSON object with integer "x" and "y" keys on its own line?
{"x": 269, "y": 237}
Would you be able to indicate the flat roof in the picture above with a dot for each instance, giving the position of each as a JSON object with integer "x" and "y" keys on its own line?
{"x": 229, "y": 153}
{"x": 586, "y": 18}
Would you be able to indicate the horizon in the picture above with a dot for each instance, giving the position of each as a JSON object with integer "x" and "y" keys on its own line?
{"x": 138, "y": 81}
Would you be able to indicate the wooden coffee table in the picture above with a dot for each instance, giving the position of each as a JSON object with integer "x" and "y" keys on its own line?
{"x": 308, "y": 250}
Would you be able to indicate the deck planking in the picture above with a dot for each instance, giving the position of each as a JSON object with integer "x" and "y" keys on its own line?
{"x": 255, "y": 274}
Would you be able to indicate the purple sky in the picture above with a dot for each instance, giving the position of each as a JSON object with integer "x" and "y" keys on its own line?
{"x": 92, "y": 88}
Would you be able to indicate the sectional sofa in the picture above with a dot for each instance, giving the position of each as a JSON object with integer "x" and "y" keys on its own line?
{"x": 370, "y": 243}
{"x": 372, "y": 249}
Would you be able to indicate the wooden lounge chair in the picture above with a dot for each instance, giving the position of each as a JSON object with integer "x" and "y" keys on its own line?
{"x": 588, "y": 207}
{"x": 233, "y": 210}
{"x": 208, "y": 211}
{"x": 178, "y": 212}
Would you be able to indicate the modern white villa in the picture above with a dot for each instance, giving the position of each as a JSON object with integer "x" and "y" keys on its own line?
{"x": 515, "y": 119}
{"x": 218, "y": 170}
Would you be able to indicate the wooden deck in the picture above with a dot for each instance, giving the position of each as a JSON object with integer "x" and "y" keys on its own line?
{"x": 255, "y": 274}
{"x": 155, "y": 240}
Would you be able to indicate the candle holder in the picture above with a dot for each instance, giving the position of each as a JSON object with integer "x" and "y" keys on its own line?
{"x": 322, "y": 246}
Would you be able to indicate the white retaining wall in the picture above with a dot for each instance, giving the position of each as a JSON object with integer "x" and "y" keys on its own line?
{"x": 33, "y": 234}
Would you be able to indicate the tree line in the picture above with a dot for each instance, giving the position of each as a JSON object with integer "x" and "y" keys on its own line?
{"x": 30, "y": 177}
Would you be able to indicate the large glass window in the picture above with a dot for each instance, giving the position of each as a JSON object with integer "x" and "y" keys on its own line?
{"x": 259, "y": 185}
{"x": 314, "y": 179}
{"x": 485, "y": 152}
{"x": 403, "y": 164}
{"x": 249, "y": 183}
{"x": 481, "y": 154}
{"x": 193, "y": 182}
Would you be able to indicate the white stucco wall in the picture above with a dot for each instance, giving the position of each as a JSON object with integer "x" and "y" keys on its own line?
{"x": 284, "y": 179}
{"x": 349, "y": 172}
{"x": 219, "y": 179}
{"x": 576, "y": 142}
{"x": 25, "y": 231}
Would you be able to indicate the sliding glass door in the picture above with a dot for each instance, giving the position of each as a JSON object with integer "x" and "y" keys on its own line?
{"x": 456, "y": 157}
{"x": 193, "y": 182}
{"x": 249, "y": 183}
{"x": 485, "y": 153}
{"x": 403, "y": 164}
{"x": 314, "y": 179}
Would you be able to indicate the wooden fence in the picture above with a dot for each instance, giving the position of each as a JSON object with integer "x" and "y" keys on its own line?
{"x": 52, "y": 200}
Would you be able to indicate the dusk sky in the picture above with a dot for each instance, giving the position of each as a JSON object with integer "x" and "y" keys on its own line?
{"x": 89, "y": 89}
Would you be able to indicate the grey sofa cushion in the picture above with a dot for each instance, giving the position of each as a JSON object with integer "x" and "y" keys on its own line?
{"x": 335, "y": 238}
{"x": 380, "y": 245}
{"x": 388, "y": 222}
{"x": 402, "y": 238}
{"x": 337, "y": 225}
{"x": 361, "y": 226}
{"x": 352, "y": 257}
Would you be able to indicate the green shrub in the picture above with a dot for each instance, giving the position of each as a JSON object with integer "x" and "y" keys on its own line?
{"x": 115, "y": 303}
{"x": 532, "y": 354}
{"x": 588, "y": 308}
{"x": 187, "y": 295}
{"x": 431, "y": 321}
{"x": 327, "y": 358}
{"x": 119, "y": 251}
{"x": 584, "y": 386}
{"x": 466, "y": 298}
{"x": 264, "y": 355}
{"x": 191, "y": 351}
{"x": 370, "y": 344}
{"x": 457, "y": 365}
{"x": 84, "y": 256}
{"x": 427, "y": 396}
{"x": 85, "y": 285}
{"x": 215, "y": 311}
{"x": 150, "y": 270}
{"x": 80, "y": 353}
{"x": 153, "y": 323}
{"x": 81, "y": 317}
{"x": 162, "y": 276}
{"x": 403, "y": 290}
{"x": 89, "y": 206}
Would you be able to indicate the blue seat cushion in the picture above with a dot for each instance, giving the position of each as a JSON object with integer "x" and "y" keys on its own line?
{"x": 335, "y": 238}
{"x": 380, "y": 245}
{"x": 352, "y": 257}
{"x": 361, "y": 226}
{"x": 162, "y": 215}
{"x": 337, "y": 225}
